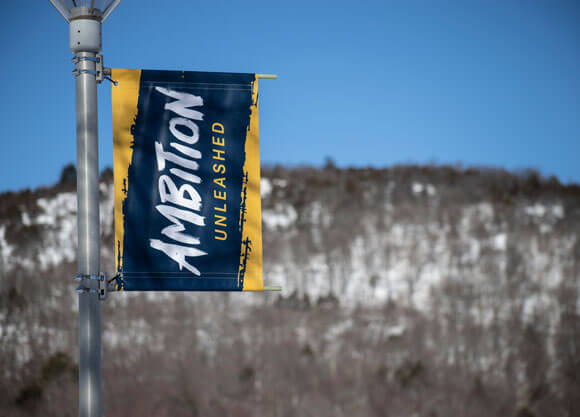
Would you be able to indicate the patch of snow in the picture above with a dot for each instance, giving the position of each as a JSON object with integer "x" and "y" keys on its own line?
{"x": 338, "y": 330}
{"x": 431, "y": 190}
{"x": 5, "y": 249}
{"x": 26, "y": 219}
{"x": 265, "y": 187}
{"x": 558, "y": 211}
{"x": 319, "y": 216}
{"x": 282, "y": 215}
{"x": 60, "y": 240}
{"x": 395, "y": 331}
{"x": 380, "y": 331}
{"x": 549, "y": 214}
{"x": 533, "y": 304}
{"x": 318, "y": 284}
{"x": 474, "y": 250}
{"x": 482, "y": 213}
{"x": 60, "y": 206}
{"x": 58, "y": 216}
{"x": 499, "y": 241}
{"x": 537, "y": 210}
{"x": 280, "y": 182}
{"x": 417, "y": 188}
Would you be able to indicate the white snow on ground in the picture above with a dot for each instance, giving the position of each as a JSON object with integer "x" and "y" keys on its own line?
{"x": 539, "y": 210}
{"x": 26, "y": 219}
{"x": 320, "y": 220}
{"x": 535, "y": 302}
{"x": 558, "y": 211}
{"x": 419, "y": 188}
{"x": 418, "y": 258}
{"x": 59, "y": 218}
{"x": 320, "y": 216}
{"x": 280, "y": 182}
{"x": 499, "y": 241}
{"x": 378, "y": 330}
{"x": 318, "y": 284}
{"x": 282, "y": 215}
{"x": 338, "y": 330}
{"x": 5, "y": 249}
{"x": 545, "y": 216}
{"x": 61, "y": 206}
{"x": 478, "y": 213}
{"x": 265, "y": 187}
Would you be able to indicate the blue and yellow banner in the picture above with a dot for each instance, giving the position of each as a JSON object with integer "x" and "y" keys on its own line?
{"x": 187, "y": 181}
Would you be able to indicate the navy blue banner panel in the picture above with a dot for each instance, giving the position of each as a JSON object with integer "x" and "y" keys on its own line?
{"x": 187, "y": 181}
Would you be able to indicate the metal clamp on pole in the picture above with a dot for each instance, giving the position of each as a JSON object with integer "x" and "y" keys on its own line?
{"x": 77, "y": 72}
{"x": 101, "y": 289}
{"x": 99, "y": 68}
{"x": 99, "y": 72}
{"x": 96, "y": 59}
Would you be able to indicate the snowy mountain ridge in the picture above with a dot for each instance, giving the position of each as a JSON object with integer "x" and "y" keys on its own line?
{"x": 401, "y": 245}
{"x": 415, "y": 289}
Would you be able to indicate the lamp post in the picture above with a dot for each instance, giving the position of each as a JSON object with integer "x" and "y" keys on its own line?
{"x": 85, "y": 18}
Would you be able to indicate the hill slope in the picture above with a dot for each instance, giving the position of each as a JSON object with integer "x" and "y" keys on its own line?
{"x": 411, "y": 290}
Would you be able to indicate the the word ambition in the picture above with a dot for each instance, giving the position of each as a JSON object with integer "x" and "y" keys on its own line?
{"x": 185, "y": 201}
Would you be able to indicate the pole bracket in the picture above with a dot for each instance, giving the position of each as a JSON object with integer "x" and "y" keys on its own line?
{"x": 98, "y": 72}
{"x": 101, "y": 289}
{"x": 77, "y": 72}
{"x": 96, "y": 59}
{"x": 100, "y": 68}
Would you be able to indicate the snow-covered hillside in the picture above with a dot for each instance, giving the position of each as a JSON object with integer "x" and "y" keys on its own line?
{"x": 443, "y": 268}
{"x": 387, "y": 239}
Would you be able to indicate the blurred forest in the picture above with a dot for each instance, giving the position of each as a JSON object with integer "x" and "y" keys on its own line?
{"x": 408, "y": 291}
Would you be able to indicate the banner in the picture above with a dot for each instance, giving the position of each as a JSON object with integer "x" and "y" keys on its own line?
{"x": 187, "y": 181}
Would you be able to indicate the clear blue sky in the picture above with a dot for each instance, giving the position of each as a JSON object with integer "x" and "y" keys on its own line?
{"x": 493, "y": 82}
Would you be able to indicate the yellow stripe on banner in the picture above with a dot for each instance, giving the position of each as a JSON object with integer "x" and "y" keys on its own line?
{"x": 125, "y": 96}
{"x": 253, "y": 227}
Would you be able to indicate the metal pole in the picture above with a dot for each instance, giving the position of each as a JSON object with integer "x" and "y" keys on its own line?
{"x": 88, "y": 231}
{"x": 85, "y": 44}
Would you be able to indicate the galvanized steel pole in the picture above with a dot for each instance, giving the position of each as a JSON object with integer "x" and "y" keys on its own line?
{"x": 88, "y": 240}
{"x": 85, "y": 42}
